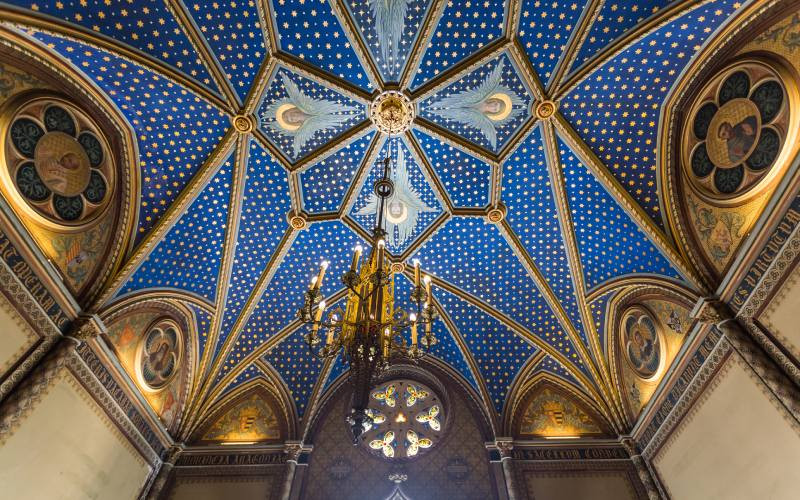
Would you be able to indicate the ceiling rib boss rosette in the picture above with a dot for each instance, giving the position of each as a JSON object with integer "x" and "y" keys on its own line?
{"x": 515, "y": 167}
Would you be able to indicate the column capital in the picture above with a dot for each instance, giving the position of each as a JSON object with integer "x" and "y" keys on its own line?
{"x": 711, "y": 310}
{"x": 295, "y": 450}
{"x": 86, "y": 327}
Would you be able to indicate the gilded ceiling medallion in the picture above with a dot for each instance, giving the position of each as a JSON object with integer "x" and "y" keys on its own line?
{"x": 497, "y": 214}
{"x": 298, "y": 222}
{"x": 545, "y": 109}
{"x": 243, "y": 124}
{"x": 59, "y": 166}
{"x": 737, "y": 130}
{"x": 392, "y": 112}
{"x": 398, "y": 267}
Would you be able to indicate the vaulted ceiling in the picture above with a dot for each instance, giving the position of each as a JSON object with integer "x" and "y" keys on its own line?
{"x": 580, "y": 189}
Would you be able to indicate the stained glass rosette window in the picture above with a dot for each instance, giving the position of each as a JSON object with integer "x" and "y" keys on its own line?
{"x": 407, "y": 419}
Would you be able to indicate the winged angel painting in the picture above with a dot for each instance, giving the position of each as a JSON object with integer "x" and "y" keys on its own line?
{"x": 486, "y": 107}
{"x": 301, "y": 117}
{"x": 402, "y": 209}
{"x": 390, "y": 17}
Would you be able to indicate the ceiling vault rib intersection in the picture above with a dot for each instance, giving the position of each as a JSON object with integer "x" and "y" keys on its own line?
{"x": 198, "y": 41}
{"x": 57, "y": 26}
{"x": 640, "y": 30}
{"x": 643, "y": 221}
{"x": 171, "y": 216}
{"x": 229, "y": 249}
{"x": 523, "y": 333}
{"x": 573, "y": 259}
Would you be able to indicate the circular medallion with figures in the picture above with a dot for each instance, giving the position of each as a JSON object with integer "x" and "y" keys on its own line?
{"x": 641, "y": 342}
{"x": 407, "y": 420}
{"x": 159, "y": 353}
{"x": 58, "y": 161}
{"x": 737, "y": 129}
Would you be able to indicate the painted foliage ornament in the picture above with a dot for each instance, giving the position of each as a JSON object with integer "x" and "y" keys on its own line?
{"x": 737, "y": 129}
{"x": 58, "y": 161}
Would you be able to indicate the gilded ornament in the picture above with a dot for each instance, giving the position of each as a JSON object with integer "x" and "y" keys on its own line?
{"x": 298, "y": 222}
{"x": 392, "y": 112}
{"x": 545, "y": 109}
{"x": 497, "y": 214}
{"x": 243, "y": 124}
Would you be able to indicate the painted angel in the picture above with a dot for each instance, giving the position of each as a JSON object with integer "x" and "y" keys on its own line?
{"x": 390, "y": 17}
{"x": 301, "y": 116}
{"x": 402, "y": 208}
{"x": 486, "y": 107}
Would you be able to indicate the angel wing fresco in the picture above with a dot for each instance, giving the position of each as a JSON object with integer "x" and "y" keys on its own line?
{"x": 486, "y": 107}
{"x": 301, "y": 116}
{"x": 402, "y": 209}
{"x": 390, "y": 16}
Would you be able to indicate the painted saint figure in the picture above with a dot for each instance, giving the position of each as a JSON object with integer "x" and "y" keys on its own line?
{"x": 486, "y": 107}
{"x": 739, "y": 138}
{"x": 301, "y": 117}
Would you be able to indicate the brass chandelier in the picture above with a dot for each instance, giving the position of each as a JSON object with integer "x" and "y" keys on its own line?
{"x": 370, "y": 332}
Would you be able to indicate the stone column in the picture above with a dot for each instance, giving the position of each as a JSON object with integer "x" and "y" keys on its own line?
{"x": 502, "y": 470}
{"x": 650, "y": 482}
{"x": 296, "y": 466}
{"x": 156, "y": 487}
{"x": 711, "y": 310}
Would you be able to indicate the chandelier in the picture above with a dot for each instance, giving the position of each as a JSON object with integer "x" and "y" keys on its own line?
{"x": 370, "y": 331}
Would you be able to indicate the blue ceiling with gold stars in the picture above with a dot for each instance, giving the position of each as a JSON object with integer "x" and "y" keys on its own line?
{"x": 214, "y": 201}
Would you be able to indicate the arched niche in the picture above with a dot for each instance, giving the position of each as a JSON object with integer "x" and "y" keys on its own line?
{"x": 729, "y": 138}
{"x": 645, "y": 328}
{"x": 68, "y": 169}
{"x": 457, "y": 466}
{"x": 549, "y": 407}
{"x": 155, "y": 338}
{"x": 250, "y": 414}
